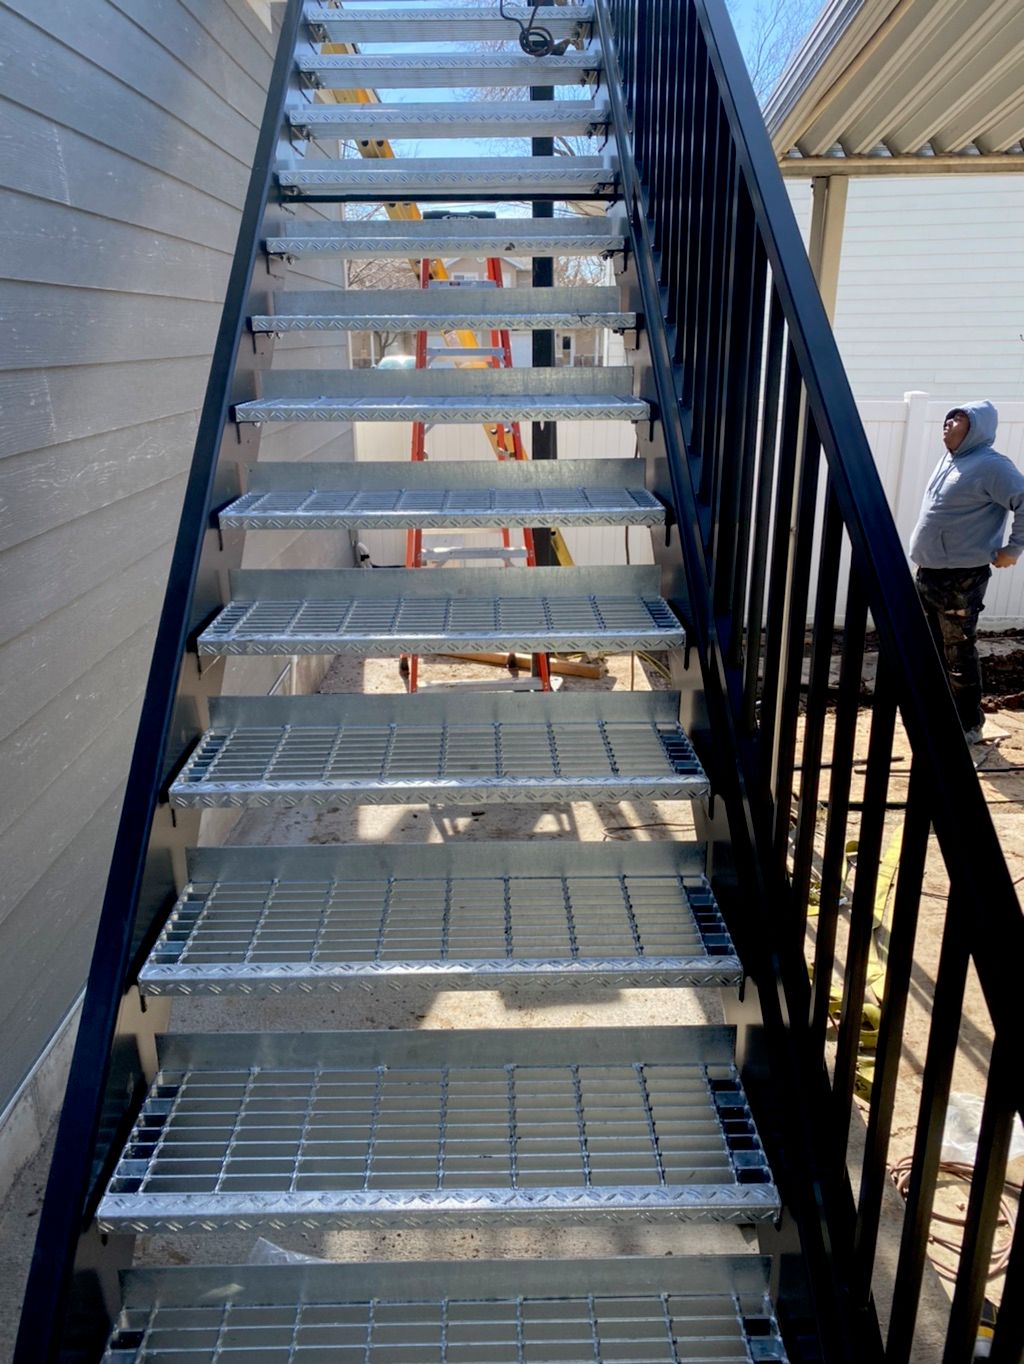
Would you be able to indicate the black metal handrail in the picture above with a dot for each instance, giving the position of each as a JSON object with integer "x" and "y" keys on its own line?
{"x": 770, "y": 474}
{"x": 88, "y": 1129}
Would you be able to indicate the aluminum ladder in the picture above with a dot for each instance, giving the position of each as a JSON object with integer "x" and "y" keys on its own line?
{"x": 463, "y": 348}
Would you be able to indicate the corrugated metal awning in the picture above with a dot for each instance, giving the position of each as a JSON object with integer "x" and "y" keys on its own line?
{"x": 904, "y": 87}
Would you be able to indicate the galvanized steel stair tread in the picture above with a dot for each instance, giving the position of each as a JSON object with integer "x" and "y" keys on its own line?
{"x": 445, "y": 178}
{"x": 433, "y": 395}
{"x": 478, "y": 309}
{"x": 454, "y": 236}
{"x": 384, "y": 611}
{"x": 461, "y": 118}
{"x": 676, "y": 1310}
{"x": 450, "y": 916}
{"x": 448, "y": 70}
{"x": 431, "y": 22}
{"x": 460, "y": 1127}
{"x": 434, "y": 495}
{"x": 349, "y": 749}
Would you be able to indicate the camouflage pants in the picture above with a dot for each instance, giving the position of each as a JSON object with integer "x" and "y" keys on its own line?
{"x": 953, "y": 599}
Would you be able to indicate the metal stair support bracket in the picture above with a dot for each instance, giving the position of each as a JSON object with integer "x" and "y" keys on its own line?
{"x": 306, "y": 920}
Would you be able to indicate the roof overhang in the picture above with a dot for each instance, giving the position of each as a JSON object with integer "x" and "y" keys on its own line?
{"x": 904, "y": 87}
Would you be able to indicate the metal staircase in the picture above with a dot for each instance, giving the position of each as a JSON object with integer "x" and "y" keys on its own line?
{"x": 598, "y": 1129}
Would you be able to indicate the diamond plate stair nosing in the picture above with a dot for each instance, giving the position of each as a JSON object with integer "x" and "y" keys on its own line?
{"x": 413, "y": 180}
{"x": 440, "y": 410}
{"x": 736, "y": 1204}
{"x": 369, "y": 122}
{"x": 425, "y": 320}
{"x": 428, "y": 22}
{"x": 515, "y": 236}
{"x": 247, "y": 514}
{"x": 454, "y": 70}
{"x": 559, "y": 976}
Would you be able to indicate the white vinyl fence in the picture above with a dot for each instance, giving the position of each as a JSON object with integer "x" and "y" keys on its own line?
{"x": 906, "y": 437}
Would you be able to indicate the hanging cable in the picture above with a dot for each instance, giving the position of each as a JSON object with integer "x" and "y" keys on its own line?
{"x": 533, "y": 39}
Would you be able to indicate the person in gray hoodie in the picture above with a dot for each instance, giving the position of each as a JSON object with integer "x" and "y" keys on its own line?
{"x": 959, "y": 539}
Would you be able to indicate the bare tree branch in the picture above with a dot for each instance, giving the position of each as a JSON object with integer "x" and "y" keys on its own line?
{"x": 770, "y": 36}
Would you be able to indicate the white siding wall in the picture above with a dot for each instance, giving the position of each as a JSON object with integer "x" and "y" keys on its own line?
{"x": 931, "y": 285}
{"x": 128, "y": 131}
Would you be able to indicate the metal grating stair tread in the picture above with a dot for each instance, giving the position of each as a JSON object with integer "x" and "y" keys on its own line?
{"x": 384, "y": 611}
{"x": 462, "y": 411}
{"x": 446, "y": 70}
{"x": 516, "y": 236}
{"x": 379, "y": 1129}
{"x": 276, "y": 920}
{"x": 666, "y": 1311}
{"x": 393, "y": 496}
{"x": 442, "y": 395}
{"x": 340, "y": 749}
{"x": 435, "y": 22}
{"x": 477, "y": 309}
{"x": 444, "y": 178}
{"x": 463, "y": 118}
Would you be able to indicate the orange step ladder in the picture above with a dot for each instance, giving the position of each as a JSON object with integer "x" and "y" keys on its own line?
{"x": 505, "y": 441}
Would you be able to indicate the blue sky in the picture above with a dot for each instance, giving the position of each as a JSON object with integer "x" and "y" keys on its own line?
{"x": 740, "y": 12}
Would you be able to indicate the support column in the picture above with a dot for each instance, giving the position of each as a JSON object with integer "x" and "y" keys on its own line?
{"x": 543, "y": 443}
{"x": 828, "y": 215}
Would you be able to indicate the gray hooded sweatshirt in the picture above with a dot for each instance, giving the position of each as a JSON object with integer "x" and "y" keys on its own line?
{"x": 963, "y": 514}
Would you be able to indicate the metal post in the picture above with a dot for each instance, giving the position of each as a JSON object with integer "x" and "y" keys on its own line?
{"x": 828, "y": 215}
{"x": 544, "y": 434}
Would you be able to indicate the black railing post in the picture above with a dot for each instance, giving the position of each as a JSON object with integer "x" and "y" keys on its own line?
{"x": 987, "y": 1187}
{"x": 544, "y": 435}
